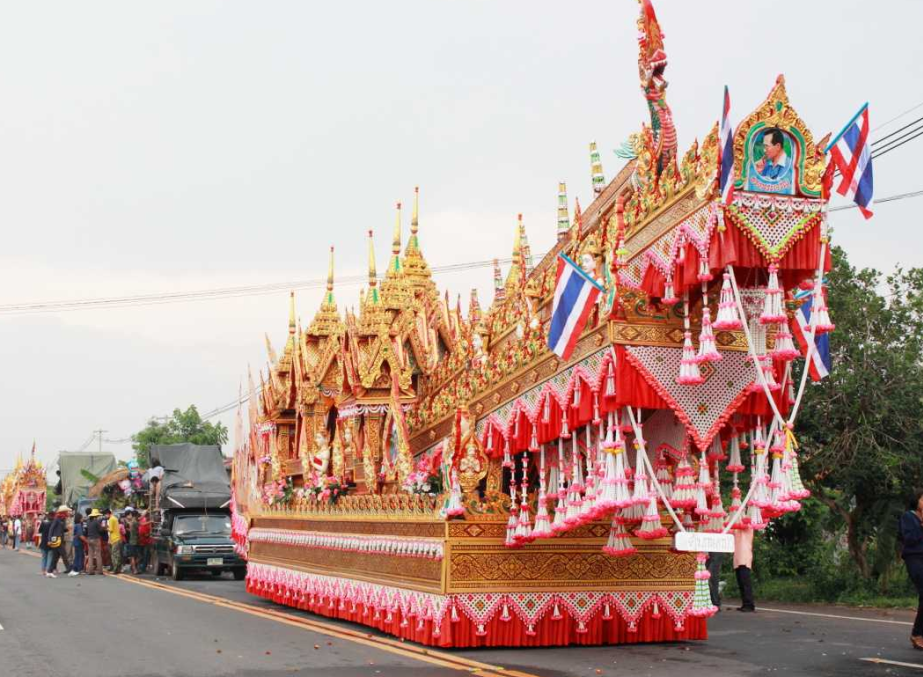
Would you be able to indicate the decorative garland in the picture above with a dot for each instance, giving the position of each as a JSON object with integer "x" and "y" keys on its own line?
{"x": 424, "y": 548}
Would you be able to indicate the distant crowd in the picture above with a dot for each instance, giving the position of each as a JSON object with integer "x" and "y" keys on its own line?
{"x": 83, "y": 544}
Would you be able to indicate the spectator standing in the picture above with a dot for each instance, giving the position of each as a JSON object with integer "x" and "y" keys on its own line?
{"x": 94, "y": 529}
{"x": 115, "y": 543}
{"x": 79, "y": 541}
{"x": 144, "y": 539}
{"x": 4, "y": 533}
{"x": 17, "y": 532}
{"x": 134, "y": 541}
{"x": 29, "y": 531}
{"x": 910, "y": 534}
{"x": 56, "y": 546}
{"x": 743, "y": 563}
{"x": 43, "y": 541}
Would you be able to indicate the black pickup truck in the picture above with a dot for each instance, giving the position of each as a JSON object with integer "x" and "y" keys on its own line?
{"x": 192, "y": 519}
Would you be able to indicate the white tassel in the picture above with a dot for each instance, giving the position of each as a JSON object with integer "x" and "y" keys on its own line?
{"x": 772, "y": 305}
{"x": 784, "y": 348}
{"x": 703, "y": 486}
{"x": 734, "y": 463}
{"x": 689, "y": 373}
{"x": 524, "y": 529}
{"x": 708, "y": 351}
{"x": 727, "y": 319}
{"x": 619, "y": 544}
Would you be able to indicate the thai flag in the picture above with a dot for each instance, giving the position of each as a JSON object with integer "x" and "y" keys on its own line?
{"x": 801, "y": 329}
{"x": 851, "y": 153}
{"x": 726, "y": 152}
{"x": 575, "y": 292}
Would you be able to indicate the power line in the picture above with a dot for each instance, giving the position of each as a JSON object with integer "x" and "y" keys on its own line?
{"x": 898, "y": 117}
{"x": 896, "y": 131}
{"x": 878, "y": 152}
{"x": 880, "y": 200}
{"x": 210, "y": 294}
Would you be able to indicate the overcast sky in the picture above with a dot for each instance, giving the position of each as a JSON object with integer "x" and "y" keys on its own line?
{"x": 170, "y": 146}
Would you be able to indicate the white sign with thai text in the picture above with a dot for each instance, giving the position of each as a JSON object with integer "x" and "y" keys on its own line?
{"x": 691, "y": 541}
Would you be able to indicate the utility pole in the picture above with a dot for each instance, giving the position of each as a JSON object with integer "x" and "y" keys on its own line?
{"x": 99, "y": 435}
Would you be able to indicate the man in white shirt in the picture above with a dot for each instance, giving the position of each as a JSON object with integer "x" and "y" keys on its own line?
{"x": 17, "y": 533}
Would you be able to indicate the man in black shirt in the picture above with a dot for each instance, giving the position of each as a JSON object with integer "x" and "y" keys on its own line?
{"x": 43, "y": 541}
{"x": 94, "y": 539}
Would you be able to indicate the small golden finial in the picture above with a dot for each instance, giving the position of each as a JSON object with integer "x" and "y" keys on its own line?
{"x": 373, "y": 275}
{"x": 291, "y": 313}
{"x": 396, "y": 241}
{"x": 330, "y": 273}
{"x": 415, "y": 218}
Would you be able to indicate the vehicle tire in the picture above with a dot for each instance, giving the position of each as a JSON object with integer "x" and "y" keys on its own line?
{"x": 240, "y": 574}
{"x": 176, "y": 573}
{"x": 217, "y": 573}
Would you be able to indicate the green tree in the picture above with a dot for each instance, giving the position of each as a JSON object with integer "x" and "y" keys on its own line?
{"x": 183, "y": 426}
{"x": 861, "y": 428}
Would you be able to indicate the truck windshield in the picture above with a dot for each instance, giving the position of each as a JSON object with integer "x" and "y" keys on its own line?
{"x": 201, "y": 524}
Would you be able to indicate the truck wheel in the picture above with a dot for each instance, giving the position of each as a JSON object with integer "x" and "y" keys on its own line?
{"x": 176, "y": 573}
{"x": 240, "y": 574}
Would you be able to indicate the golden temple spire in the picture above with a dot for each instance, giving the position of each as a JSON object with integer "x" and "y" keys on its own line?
{"x": 372, "y": 296}
{"x": 395, "y": 267}
{"x": 328, "y": 299}
{"x": 327, "y": 320}
{"x": 414, "y": 265}
{"x": 517, "y": 271}
{"x": 291, "y": 313}
{"x": 499, "y": 289}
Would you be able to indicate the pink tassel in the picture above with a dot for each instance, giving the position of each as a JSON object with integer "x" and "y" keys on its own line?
{"x": 533, "y": 443}
{"x": 524, "y": 528}
{"x": 542, "y": 527}
{"x": 708, "y": 351}
{"x": 513, "y": 521}
{"x": 734, "y": 463}
{"x": 507, "y": 459}
{"x": 596, "y": 419}
{"x": 664, "y": 478}
{"x": 669, "y": 296}
{"x": 727, "y": 319}
{"x": 610, "y": 384}
{"x": 619, "y": 544}
{"x": 822, "y": 324}
{"x": 702, "y": 488}
{"x": 784, "y": 348}
{"x": 684, "y": 489}
{"x": 772, "y": 306}
{"x": 689, "y": 373}
{"x": 651, "y": 526}
{"x": 704, "y": 273}
{"x": 546, "y": 410}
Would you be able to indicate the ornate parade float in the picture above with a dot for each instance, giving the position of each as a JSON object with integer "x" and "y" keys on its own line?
{"x": 22, "y": 491}
{"x": 446, "y": 478}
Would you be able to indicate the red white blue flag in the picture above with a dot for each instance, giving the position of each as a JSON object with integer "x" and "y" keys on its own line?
{"x": 851, "y": 153}
{"x": 575, "y": 292}
{"x": 820, "y": 365}
{"x": 726, "y": 152}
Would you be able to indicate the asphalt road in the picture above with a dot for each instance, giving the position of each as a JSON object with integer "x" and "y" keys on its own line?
{"x": 108, "y": 627}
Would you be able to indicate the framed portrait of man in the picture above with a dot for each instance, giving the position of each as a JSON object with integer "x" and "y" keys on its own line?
{"x": 771, "y": 162}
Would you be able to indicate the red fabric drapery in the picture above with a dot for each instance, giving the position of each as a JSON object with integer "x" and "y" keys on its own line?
{"x": 463, "y": 633}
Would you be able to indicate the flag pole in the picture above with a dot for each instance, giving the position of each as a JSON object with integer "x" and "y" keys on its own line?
{"x": 845, "y": 127}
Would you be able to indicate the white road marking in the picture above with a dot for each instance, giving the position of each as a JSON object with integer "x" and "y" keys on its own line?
{"x": 844, "y": 618}
{"x": 1, "y": 627}
{"x": 884, "y": 661}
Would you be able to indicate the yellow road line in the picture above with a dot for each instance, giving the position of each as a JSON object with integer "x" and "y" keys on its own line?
{"x": 885, "y": 661}
{"x": 414, "y": 651}
{"x": 408, "y": 650}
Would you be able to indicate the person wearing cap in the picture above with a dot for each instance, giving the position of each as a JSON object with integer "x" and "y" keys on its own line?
{"x": 94, "y": 529}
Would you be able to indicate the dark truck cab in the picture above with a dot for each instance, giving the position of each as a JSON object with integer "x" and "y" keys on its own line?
{"x": 191, "y": 511}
